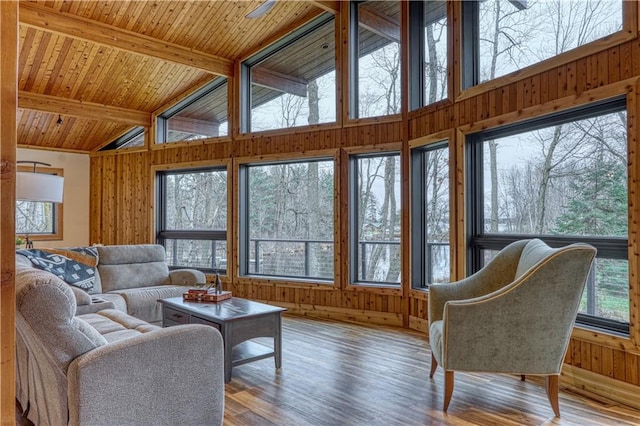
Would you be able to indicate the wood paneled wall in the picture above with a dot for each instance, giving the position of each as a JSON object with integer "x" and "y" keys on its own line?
{"x": 8, "y": 143}
{"x": 122, "y": 201}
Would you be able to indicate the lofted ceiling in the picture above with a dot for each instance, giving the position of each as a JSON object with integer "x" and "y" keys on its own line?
{"x": 104, "y": 66}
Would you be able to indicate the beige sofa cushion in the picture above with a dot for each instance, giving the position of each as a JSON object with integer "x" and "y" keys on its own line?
{"x": 132, "y": 266}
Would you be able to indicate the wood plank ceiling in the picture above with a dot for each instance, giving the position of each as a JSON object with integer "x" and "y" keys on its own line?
{"x": 105, "y": 66}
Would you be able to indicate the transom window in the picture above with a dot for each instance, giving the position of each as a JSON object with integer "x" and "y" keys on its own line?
{"x": 502, "y": 36}
{"x": 192, "y": 218}
{"x": 293, "y": 82}
{"x": 428, "y": 59}
{"x": 375, "y": 59}
{"x": 201, "y": 115}
{"x": 561, "y": 178}
{"x": 375, "y": 219}
{"x": 132, "y": 138}
{"x": 286, "y": 219}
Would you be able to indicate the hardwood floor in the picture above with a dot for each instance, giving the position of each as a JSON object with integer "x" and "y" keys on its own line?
{"x": 336, "y": 373}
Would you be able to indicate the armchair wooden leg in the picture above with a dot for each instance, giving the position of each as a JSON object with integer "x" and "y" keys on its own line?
{"x": 448, "y": 388}
{"x": 552, "y": 386}
{"x": 434, "y": 365}
{"x": 523, "y": 377}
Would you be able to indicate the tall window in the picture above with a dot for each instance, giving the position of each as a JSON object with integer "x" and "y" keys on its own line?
{"x": 561, "y": 178}
{"x": 287, "y": 218}
{"x": 501, "y": 36}
{"x": 375, "y": 60}
{"x": 430, "y": 246}
{"x": 293, "y": 82}
{"x": 428, "y": 52}
{"x": 192, "y": 218}
{"x": 37, "y": 219}
{"x": 375, "y": 219}
{"x": 201, "y": 115}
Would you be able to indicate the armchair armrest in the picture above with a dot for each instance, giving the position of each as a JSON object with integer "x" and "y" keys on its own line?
{"x": 169, "y": 376}
{"x": 186, "y": 277}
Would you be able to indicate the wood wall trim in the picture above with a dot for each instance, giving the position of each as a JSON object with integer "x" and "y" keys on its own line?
{"x": 599, "y": 387}
{"x": 48, "y": 19}
{"x": 601, "y": 93}
{"x": 8, "y": 142}
{"x": 341, "y": 314}
{"x": 82, "y": 109}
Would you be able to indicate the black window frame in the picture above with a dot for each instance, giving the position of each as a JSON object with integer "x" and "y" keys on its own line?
{"x": 246, "y": 65}
{"x": 354, "y": 60}
{"x": 416, "y": 55}
{"x": 162, "y": 120}
{"x": 354, "y": 244}
{"x": 244, "y": 222}
{"x": 124, "y": 140}
{"x": 478, "y": 240}
{"x": 420, "y": 271}
{"x": 163, "y": 234}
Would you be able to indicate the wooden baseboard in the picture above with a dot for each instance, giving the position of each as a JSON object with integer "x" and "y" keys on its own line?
{"x": 419, "y": 324}
{"x": 600, "y": 387}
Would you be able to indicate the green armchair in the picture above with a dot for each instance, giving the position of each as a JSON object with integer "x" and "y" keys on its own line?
{"x": 514, "y": 316}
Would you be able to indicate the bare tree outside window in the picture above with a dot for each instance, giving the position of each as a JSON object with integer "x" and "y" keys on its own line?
{"x": 290, "y": 216}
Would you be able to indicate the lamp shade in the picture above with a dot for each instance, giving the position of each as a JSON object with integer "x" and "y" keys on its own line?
{"x": 39, "y": 187}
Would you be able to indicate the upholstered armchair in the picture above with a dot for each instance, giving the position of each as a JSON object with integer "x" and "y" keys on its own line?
{"x": 514, "y": 316}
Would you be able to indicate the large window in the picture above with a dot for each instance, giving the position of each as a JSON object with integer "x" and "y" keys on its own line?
{"x": 501, "y": 36}
{"x": 561, "y": 178}
{"x": 430, "y": 248}
{"x": 375, "y": 219}
{"x": 192, "y": 218}
{"x": 201, "y": 115}
{"x": 428, "y": 52}
{"x": 375, "y": 59}
{"x": 286, "y": 219}
{"x": 37, "y": 219}
{"x": 293, "y": 82}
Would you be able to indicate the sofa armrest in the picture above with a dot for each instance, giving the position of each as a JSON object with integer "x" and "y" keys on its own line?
{"x": 95, "y": 304}
{"x": 169, "y": 376}
{"x": 186, "y": 277}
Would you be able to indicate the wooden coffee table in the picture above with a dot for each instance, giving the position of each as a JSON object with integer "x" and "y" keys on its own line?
{"x": 238, "y": 320}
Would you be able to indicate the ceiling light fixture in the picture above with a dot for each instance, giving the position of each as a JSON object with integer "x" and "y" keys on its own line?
{"x": 60, "y": 120}
{"x": 261, "y": 10}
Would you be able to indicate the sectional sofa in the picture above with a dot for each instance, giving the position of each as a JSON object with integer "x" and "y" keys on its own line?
{"x": 98, "y": 356}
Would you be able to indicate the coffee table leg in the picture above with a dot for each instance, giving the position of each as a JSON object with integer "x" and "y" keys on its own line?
{"x": 228, "y": 355}
{"x": 277, "y": 342}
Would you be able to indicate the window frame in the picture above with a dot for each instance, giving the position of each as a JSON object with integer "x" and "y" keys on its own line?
{"x": 243, "y": 214}
{"x": 354, "y": 67}
{"x": 122, "y": 141}
{"x": 420, "y": 271}
{"x": 272, "y": 49}
{"x": 161, "y": 234}
{"x": 479, "y": 240}
{"x": 416, "y": 92}
{"x": 354, "y": 271}
{"x": 469, "y": 84}
{"x": 57, "y": 219}
{"x": 162, "y": 120}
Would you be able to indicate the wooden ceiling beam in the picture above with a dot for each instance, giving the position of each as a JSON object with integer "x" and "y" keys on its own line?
{"x": 328, "y": 6}
{"x": 379, "y": 24}
{"x": 47, "y": 19}
{"x": 84, "y": 110}
{"x": 279, "y": 81}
